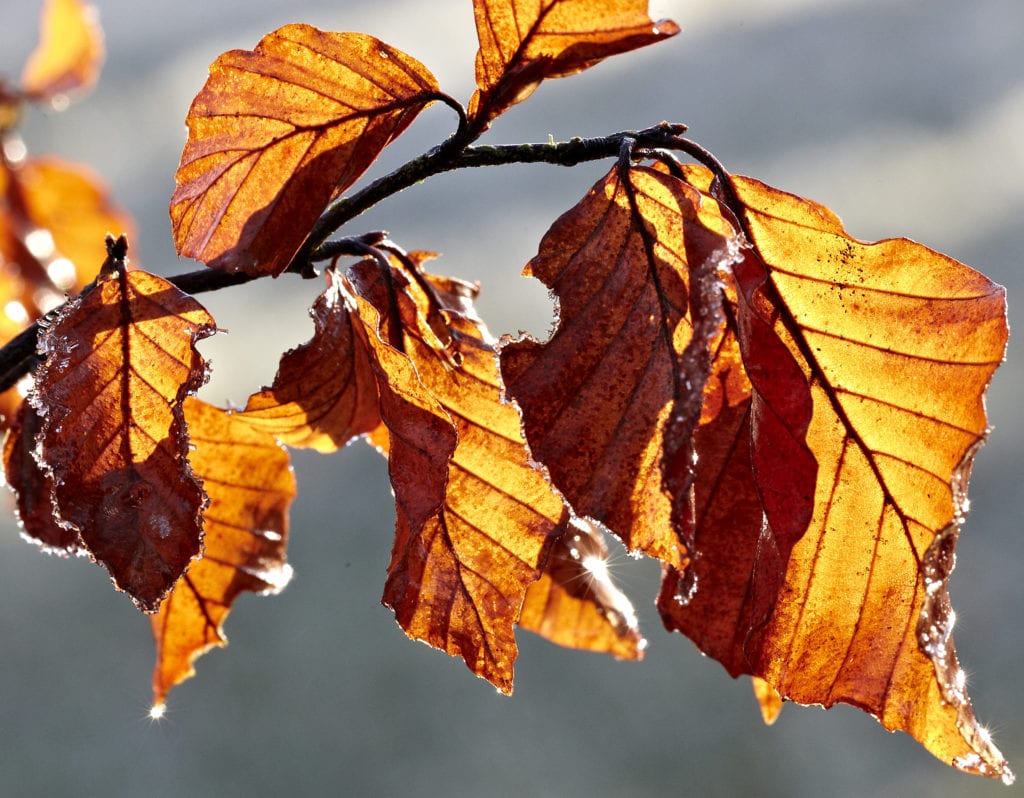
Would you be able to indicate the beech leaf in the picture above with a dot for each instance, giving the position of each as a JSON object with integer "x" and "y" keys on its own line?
{"x": 475, "y": 521}
{"x": 522, "y": 42}
{"x": 119, "y": 362}
{"x": 70, "y": 51}
{"x": 325, "y": 391}
{"x": 576, "y": 604}
{"x": 595, "y": 397}
{"x": 898, "y": 344}
{"x": 247, "y": 476}
{"x": 278, "y": 131}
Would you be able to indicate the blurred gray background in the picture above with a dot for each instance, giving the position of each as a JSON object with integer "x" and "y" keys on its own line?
{"x": 905, "y": 117}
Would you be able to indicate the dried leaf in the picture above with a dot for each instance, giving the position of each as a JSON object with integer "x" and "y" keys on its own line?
{"x": 69, "y": 54}
{"x": 119, "y": 363}
{"x": 279, "y": 130}
{"x": 522, "y": 43}
{"x": 596, "y": 396}
{"x": 576, "y": 604}
{"x": 475, "y": 521}
{"x": 32, "y": 488}
{"x": 249, "y": 481}
{"x": 325, "y": 391}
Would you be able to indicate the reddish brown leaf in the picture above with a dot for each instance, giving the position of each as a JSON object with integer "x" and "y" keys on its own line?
{"x": 325, "y": 391}
{"x": 32, "y": 488}
{"x": 522, "y": 43}
{"x": 250, "y": 484}
{"x": 69, "y": 53}
{"x": 576, "y": 604}
{"x": 595, "y": 397}
{"x": 119, "y": 363}
{"x": 279, "y": 130}
{"x": 474, "y": 520}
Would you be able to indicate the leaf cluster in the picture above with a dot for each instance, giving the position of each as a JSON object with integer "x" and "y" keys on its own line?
{"x": 784, "y": 416}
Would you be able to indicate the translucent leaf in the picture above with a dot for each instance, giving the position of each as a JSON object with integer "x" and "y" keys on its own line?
{"x": 522, "y": 42}
{"x": 475, "y": 521}
{"x": 119, "y": 363}
{"x": 325, "y": 391}
{"x": 276, "y": 132}
{"x": 70, "y": 51}
{"x": 596, "y": 396}
{"x": 247, "y": 477}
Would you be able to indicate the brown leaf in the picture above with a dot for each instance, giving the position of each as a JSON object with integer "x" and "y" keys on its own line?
{"x": 279, "y": 130}
{"x": 475, "y": 521}
{"x": 576, "y": 604}
{"x": 249, "y": 481}
{"x": 119, "y": 363}
{"x": 522, "y": 43}
{"x": 69, "y": 54}
{"x": 325, "y": 391}
{"x": 32, "y": 488}
{"x": 595, "y": 397}
{"x": 898, "y": 344}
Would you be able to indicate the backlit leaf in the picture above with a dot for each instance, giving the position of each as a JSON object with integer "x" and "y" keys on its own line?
{"x": 70, "y": 51}
{"x": 595, "y": 397}
{"x": 576, "y": 604}
{"x": 325, "y": 391}
{"x": 898, "y": 344}
{"x": 522, "y": 42}
{"x": 475, "y": 521}
{"x": 249, "y": 481}
{"x": 276, "y": 132}
{"x": 119, "y": 363}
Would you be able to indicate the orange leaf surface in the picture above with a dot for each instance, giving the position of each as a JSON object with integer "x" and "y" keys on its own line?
{"x": 576, "y": 604}
{"x": 276, "y": 132}
{"x": 119, "y": 363}
{"x": 325, "y": 391}
{"x": 247, "y": 476}
{"x": 475, "y": 521}
{"x": 596, "y": 396}
{"x": 70, "y": 51}
{"x": 522, "y": 43}
{"x": 898, "y": 344}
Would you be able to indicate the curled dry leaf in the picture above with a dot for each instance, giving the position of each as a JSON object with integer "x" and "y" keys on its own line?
{"x": 595, "y": 397}
{"x": 576, "y": 604}
{"x": 475, "y": 521}
{"x": 69, "y": 54}
{"x": 522, "y": 42}
{"x": 278, "y": 131}
{"x": 325, "y": 391}
{"x": 247, "y": 476}
{"x": 119, "y": 363}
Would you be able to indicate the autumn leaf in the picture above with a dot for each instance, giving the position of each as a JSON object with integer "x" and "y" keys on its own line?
{"x": 522, "y": 43}
{"x": 898, "y": 344}
{"x": 32, "y": 489}
{"x": 325, "y": 391}
{"x": 69, "y": 54}
{"x": 119, "y": 362}
{"x": 596, "y": 396}
{"x": 278, "y": 131}
{"x": 247, "y": 476}
{"x": 475, "y": 521}
{"x": 576, "y": 604}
